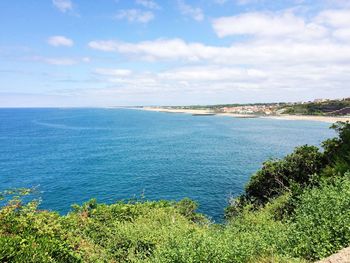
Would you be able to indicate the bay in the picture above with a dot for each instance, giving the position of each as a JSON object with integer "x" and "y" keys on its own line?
{"x": 72, "y": 155}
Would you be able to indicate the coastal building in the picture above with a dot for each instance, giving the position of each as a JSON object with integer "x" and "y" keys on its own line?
{"x": 266, "y": 109}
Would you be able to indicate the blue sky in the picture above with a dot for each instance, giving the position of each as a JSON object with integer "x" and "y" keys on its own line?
{"x": 177, "y": 52}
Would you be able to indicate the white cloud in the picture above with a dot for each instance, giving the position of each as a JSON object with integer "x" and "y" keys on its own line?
{"x": 210, "y": 84}
{"x": 342, "y": 34}
{"x": 63, "y": 5}
{"x": 102, "y": 45}
{"x": 57, "y": 61}
{"x": 190, "y": 73}
{"x": 86, "y": 59}
{"x": 135, "y": 15}
{"x": 338, "y": 21}
{"x": 212, "y": 73}
{"x": 337, "y": 3}
{"x": 285, "y": 25}
{"x": 57, "y": 41}
{"x": 334, "y": 18}
{"x": 284, "y": 57}
{"x": 113, "y": 72}
{"x": 148, "y": 4}
{"x": 195, "y": 12}
{"x": 240, "y": 53}
{"x": 149, "y": 50}
{"x": 251, "y": 2}
{"x": 60, "y": 61}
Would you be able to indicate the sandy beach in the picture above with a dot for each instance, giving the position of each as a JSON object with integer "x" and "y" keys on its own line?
{"x": 328, "y": 119}
{"x": 169, "y": 110}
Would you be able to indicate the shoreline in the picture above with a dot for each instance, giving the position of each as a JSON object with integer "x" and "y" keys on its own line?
{"x": 328, "y": 119}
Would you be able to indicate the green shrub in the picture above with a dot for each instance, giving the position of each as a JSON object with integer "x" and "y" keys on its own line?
{"x": 276, "y": 176}
{"x": 30, "y": 236}
{"x": 321, "y": 221}
{"x": 337, "y": 150}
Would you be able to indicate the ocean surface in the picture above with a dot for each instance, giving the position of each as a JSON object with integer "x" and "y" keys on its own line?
{"x": 72, "y": 155}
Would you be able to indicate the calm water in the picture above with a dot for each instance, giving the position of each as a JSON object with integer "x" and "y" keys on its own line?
{"x": 73, "y": 155}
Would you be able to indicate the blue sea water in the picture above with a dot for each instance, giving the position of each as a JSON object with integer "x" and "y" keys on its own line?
{"x": 72, "y": 155}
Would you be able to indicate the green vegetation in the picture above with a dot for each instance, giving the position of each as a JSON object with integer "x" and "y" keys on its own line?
{"x": 329, "y": 107}
{"x": 296, "y": 209}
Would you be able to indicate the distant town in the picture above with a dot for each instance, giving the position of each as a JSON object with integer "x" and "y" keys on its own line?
{"x": 321, "y": 107}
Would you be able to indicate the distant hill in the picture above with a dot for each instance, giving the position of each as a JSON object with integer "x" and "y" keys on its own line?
{"x": 323, "y": 107}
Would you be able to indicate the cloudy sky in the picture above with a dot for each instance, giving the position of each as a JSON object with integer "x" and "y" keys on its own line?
{"x": 172, "y": 52}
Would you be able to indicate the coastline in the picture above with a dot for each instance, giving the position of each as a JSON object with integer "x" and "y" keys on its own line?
{"x": 328, "y": 119}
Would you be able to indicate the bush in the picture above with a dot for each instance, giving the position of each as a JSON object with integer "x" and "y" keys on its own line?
{"x": 337, "y": 150}
{"x": 133, "y": 232}
{"x": 30, "y": 236}
{"x": 276, "y": 176}
{"x": 321, "y": 221}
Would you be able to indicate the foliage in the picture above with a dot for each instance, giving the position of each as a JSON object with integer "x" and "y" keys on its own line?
{"x": 337, "y": 150}
{"x": 329, "y": 107}
{"x": 321, "y": 222}
{"x": 277, "y": 176}
{"x": 160, "y": 232}
{"x": 136, "y": 232}
{"x": 27, "y": 235}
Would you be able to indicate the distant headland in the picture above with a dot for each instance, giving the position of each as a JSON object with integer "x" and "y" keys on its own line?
{"x": 324, "y": 110}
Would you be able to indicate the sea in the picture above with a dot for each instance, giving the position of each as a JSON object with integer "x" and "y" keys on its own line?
{"x": 72, "y": 155}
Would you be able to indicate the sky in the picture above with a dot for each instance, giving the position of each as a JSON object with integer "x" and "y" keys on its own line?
{"x": 100, "y": 53}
